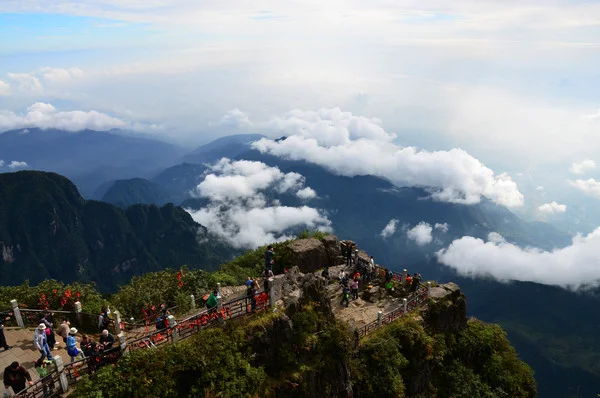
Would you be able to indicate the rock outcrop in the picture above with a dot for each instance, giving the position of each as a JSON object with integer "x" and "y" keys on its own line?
{"x": 312, "y": 254}
{"x": 447, "y": 311}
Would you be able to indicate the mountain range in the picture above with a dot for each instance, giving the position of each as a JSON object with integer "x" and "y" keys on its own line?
{"x": 540, "y": 319}
{"x": 47, "y": 230}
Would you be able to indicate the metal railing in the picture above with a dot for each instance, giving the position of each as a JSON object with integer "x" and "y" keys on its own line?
{"x": 46, "y": 387}
{"x": 412, "y": 303}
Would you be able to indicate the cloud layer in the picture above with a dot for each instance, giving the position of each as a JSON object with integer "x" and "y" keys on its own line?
{"x": 590, "y": 187}
{"x": 45, "y": 115}
{"x": 240, "y": 209}
{"x": 574, "y": 266}
{"x": 352, "y": 145}
{"x": 582, "y": 167}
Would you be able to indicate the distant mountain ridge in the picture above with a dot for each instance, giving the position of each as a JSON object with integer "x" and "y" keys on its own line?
{"x": 47, "y": 230}
{"x": 88, "y": 157}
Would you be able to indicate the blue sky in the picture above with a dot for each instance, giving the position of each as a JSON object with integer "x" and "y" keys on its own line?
{"x": 513, "y": 83}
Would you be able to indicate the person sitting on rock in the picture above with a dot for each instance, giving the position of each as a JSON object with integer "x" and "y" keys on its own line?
{"x": 345, "y": 296}
{"x": 107, "y": 340}
{"x": 86, "y": 345}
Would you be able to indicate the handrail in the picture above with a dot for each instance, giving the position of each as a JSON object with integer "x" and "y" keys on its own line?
{"x": 190, "y": 325}
{"x": 412, "y": 303}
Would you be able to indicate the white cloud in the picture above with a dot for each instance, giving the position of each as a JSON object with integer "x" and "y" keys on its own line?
{"x": 26, "y": 82}
{"x": 421, "y": 233}
{"x": 539, "y": 188}
{"x": 238, "y": 210}
{"x": 14, "y": 165}
{"x": 336, "y": 140}
{"x": 442, "y": 227}
{"x": 589, "y": 187}
{"x": 1, "y": 163}
{"x": 573, "y": 266}
{"x": 306, "y": 193}
{"x": 389, "y": 229}
{"x": 61, "y": 74}
{"x": 235, "y": 118}
{"x": 44, "y": 116}
{"x": 4, "y": 88}
{"x": 552, "y": 207}
{"x": 583, "y": 166}
{"x": 244, "y": 179}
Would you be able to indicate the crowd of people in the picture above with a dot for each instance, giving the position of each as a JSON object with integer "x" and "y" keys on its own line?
{"x": 17, "y": 377}
{"x": 366, "y": 273}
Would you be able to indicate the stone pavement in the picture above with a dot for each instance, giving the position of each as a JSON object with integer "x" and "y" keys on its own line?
{"x": 24, "y": 352}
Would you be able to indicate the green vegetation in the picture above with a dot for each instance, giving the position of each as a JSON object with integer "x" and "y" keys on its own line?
{"x": 51, "y": 294}
{"x": 307, "y": 352}
{"x": 312, "y": 234}
{"x": 48, "y": 231}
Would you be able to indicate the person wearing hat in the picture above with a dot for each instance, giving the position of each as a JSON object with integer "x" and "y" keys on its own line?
{"x": 72, "y": 350}
{"x": 41, "y": 342}
{"x": 15, "y": 376}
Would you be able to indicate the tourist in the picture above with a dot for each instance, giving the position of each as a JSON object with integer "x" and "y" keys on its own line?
{"x": 104, "y": 319}
{"x": 416, "y": 281}
{"x": 344, "y": 280}
{"x": 211, "y": 302}
{"x": 267, "y": 275}
{"x": 107, "y": 340}
{"x": 48, "y": 320}
{"x": 72, "y": 350}
{"x": 3, "y": 342}
{"x": 345, "y": 296}
{"x": 269, "y": 260}
{"x": 63, "y": 330}
{"x": 325, "y": 274}
{"x": 15, "y": 376}
{"x": 42, "y": 368}
{"x": 40, "y": 342}
{"x": 354, "y": 288}
{"x": 86, "y": 345}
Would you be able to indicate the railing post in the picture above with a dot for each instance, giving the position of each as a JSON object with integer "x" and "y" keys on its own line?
{"x": 428, "y": 289}
{"x": 122, "y": 343}
{"x": 175, "y": 334}
{"x": 117, "y": 322}
{"x": 379, "y": 318}
{"x": 17, "y": 312}
{"x": 62, "y": 377}
{"x": 404, "y": 275}
{"x": 219, "y": 302}
{"x": 193, "y": 301}
{"x": 78, "y": 310}
{"x": 405, "y": 302}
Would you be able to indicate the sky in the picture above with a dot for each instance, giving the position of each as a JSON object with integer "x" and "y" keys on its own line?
{"x": 502, "y": 96}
